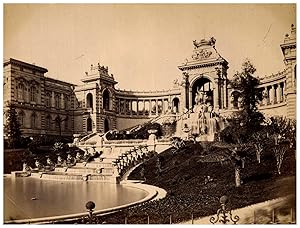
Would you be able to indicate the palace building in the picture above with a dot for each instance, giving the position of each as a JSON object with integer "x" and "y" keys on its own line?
{"x": 47, "y": 106}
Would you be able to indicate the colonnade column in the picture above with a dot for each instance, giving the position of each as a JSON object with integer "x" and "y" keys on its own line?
{"x": 271, "y": 94}
{"x": 225, "y": 94}
{"x": 156, "y": 106}
{"x": 216, "y": 97}
{"x": 278, "y": 94}
{"x": 130, "y": 107}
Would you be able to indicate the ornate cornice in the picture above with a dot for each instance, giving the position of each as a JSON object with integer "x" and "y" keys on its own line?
{"x": 196, "y": 65}
{"x": 19, "y": 63}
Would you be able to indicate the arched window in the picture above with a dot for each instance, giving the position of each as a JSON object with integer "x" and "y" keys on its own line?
{"x": 20, "y": 91}
{"x": 33, "y": 94}
{"x": 33, "y": 121}
{"x": 89, "y": 100}
{"x": 48, "y": 122}
{"x": 57, "y": 100}
{"x": 235, "y": 99}
{"x": 89, "y": 124}
{"x": 48, "y": 99}
{"x": 106, "y": 100}
{"x": 66, "y": 102}
{"x": 175, "y": 105}
{"x": 58, "y": 121}
{"x": 21, "y": 117}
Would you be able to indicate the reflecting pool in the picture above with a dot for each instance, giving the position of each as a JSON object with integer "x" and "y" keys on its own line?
{"x": 26, "y": 198}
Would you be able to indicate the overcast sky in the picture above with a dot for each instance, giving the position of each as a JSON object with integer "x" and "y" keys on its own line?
{"x": 143, "y": 44}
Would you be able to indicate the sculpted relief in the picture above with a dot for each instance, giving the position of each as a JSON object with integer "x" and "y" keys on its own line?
{"x": 201, "y": 54}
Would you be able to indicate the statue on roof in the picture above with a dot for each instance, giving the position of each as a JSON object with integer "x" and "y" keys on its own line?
{"x": 202, "y": 42}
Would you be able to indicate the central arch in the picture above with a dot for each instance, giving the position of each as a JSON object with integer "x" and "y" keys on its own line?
{"x": 204, "y": 85}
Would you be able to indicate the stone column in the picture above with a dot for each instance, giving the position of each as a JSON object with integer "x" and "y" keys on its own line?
{"x": 190, "y": 98}
{"x": 130, "y": 107}
{"x": 144, "y": 109}
{"x": 137, "y": 107}
{"x": 150, "y": 107}
{"x": 62, "y": 104}
{"x": 278, "y": 93}
{"x": 265, "y": 94}
{"x": 216, "y": 97}
{"x": 225, "y": 94}
{"x": 52, "y": 100}
{"x": 272, "y": 97}
{"x": 156, "y": 105}
{"x": 222, "y": 100}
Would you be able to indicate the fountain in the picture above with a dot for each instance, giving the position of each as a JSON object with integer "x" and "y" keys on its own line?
{"x": 204, "y": 121}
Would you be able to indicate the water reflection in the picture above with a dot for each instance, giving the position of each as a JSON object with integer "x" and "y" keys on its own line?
{"x": 61, "y": 197}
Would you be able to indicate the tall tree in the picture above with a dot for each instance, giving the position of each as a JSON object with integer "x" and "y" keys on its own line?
{"x": 12, "y": 127}
{"x": 251, "y": 96}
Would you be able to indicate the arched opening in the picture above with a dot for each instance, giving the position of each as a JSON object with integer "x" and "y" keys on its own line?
{"x": 33, "y": 94}
{"x": 89, "y": 124}
{"x": 106, "y": 100}
{"x": 235, "y": 99}
{"x": 89, "y": 100}
{"x": 175, "y": 105}
{"x": 20, "y": 91}
{"x": 203, "y": 87}
{"x": 106, "y": 125}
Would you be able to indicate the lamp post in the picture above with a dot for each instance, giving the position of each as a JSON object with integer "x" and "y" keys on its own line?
{"x": 90, "y": 218}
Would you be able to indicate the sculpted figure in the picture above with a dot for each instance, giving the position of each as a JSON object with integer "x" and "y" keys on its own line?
{"x": 78, "y": 157}
{"x": 26, "y": 168}
{"x": 38, "y": 165}
{"x": 70, "y": 160}
{"x": 60, "y": 161}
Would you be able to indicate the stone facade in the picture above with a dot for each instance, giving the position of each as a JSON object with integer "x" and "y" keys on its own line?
{"x": 43, "y": 104}
{"x": 97, "y": 106}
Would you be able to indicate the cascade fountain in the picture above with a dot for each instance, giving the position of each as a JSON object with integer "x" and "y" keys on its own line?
{"x": 203, "y": 122}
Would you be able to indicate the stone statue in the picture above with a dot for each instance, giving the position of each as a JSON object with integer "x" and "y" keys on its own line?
{"x": 26, "y": 168}
{"x": 38, "y": 165}
{"x": 70, "y": 160}
{"x": 78, "y": 157}
{"x": 60, "y": 161}
{"x": 49, "y": 162}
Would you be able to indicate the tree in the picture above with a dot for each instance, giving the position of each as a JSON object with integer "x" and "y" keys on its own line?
{"x": 12, "y": 128}
{"x": 279, "y": 152}
{"x": 260, "y": 140}
{"x": 250, "y": 96}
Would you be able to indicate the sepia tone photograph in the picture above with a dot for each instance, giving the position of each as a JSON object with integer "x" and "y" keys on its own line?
{"x": 149, "y": 113}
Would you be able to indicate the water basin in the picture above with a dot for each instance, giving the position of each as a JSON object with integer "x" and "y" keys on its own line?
{"x": 56, "y": 198}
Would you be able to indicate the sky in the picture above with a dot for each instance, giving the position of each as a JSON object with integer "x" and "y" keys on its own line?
{"x": 142, "y": 44}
